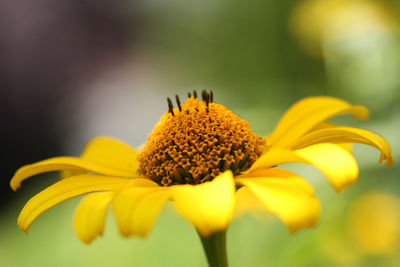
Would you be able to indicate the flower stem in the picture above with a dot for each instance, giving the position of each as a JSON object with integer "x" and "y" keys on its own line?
{"x": 215, "y": 249}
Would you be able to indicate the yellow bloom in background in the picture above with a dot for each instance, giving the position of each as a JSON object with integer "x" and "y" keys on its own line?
{"x": 357, "y": 40}
{"x": 371, "y": 230}
{"x": 320, "y": 23}
{"x": 204, "y": 158}
{"x": 374, "y": 223}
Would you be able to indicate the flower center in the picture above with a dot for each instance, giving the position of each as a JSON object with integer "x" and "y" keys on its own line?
{"x": 196, "y": 141}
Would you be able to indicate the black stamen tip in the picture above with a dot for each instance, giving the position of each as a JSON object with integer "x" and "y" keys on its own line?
{"x": 195, "y": 94}
{"x": 207, "y": 99}
{"x": 211, "y": 97}
{"x": 203, "y": 95}
{"x": 170, "y": 106}
{"x": 189, "y": 95}
{"x": 178, "y": 102}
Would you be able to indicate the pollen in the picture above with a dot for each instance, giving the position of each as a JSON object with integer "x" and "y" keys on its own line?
{"x": 197, "y": 141}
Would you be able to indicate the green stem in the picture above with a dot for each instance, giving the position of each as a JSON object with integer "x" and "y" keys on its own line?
{"x": 215, "y": 249}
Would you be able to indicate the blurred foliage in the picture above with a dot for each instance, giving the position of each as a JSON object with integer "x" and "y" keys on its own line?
{"x": 250, "y": 52}
{"x": 241, "y": 49}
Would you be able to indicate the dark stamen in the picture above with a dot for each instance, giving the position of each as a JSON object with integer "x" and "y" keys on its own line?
{"x": 211, "y": 97}
{"x": 206, "y": 98}
{"x": 189, "y": 95}
{"x": 170, "y": 106}
{"x": 187, "y": 112}
{"x": 178, "y": 102}
{"x": 195, "y": 94}
{"x": 203, "y": 95}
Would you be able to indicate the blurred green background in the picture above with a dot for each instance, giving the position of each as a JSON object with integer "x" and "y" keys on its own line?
{"x": 72, "y": 70}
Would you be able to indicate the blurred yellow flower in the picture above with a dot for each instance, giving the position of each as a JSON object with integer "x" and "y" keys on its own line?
{"x": 320, "y": 22}
{"x": 374, "y": 223}
{"x": 200, "y": 156}
{"x": 372, "y": 229}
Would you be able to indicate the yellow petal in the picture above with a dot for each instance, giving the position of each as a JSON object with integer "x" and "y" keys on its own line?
{"x": 147, "y": 211}
{"x": 90, "y": 215}
{"x": 63, "y": 163}
{"x": 319, "y": 126}
{"x": 111, "y": 152}
{"x": 287, "y": 195}
{"x": 347, "y": 146}
{"x": 323, "y": 125}
{"x": 66, "y": 189}
{"x": 209, "y": 206}
{"x": 247, "y": 202}
{"x": 346, "y": 135}
{"x": 136, "y": 209}
{"x": 306, "y": 114}
{"x": 68, "y": 173}
{"x": 328, "y": 124}
{"x": 336, "y": 163}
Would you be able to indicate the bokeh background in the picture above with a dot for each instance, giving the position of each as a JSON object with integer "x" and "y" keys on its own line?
{"x": 71, "y": 70}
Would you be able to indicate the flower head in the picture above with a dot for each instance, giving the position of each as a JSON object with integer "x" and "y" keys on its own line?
{"x": 204, "y": 158}
{"x": 196, "y": 142}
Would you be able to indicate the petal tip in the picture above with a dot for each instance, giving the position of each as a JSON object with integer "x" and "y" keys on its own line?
{"x": 340, "y": 187}
{"x": 294, "y": 229}
{"x": 361, "y": 112}
{"x": 85, "y": 240}
{"x": 125, "y": 234}
{"x": 310, "y": 223}
{"x": 23, "y": 228}
{"x": 14, "y": 186}
{"x": 390, "y": 161}
{"x": 14, "y": 183}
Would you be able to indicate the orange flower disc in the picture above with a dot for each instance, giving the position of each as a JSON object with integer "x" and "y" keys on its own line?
{"x": 196, "y": 142}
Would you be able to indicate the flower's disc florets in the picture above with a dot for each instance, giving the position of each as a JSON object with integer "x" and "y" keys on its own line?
{"x": 196, "y": 142}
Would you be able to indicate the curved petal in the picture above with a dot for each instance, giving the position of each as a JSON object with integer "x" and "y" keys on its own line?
{"x": 147, "y": 211}
{"x": 209, "y": 206}
{"x": 323, "y": 125}
{"x": 63, "y": 163}
{"x": 137, "y": 208}
{"x": 66, "y": 189}
{"x": 346, "y": 135}
{"x": 247, "y": 202}
{"x": 112, "y": 153}
{"x": 287, "y": 195}
{"x": 90, "y": 215}
{"x": 336, "y": 163}
{"x": 328, "y": 124}
{"x": 307, "y": 113}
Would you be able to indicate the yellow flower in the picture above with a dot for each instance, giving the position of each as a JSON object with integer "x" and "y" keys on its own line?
{"x": 318, "y": 23}
{"x": 370, "y": 227}
{"x": 381, "y": 235}
{"x": 204, "y": 158}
